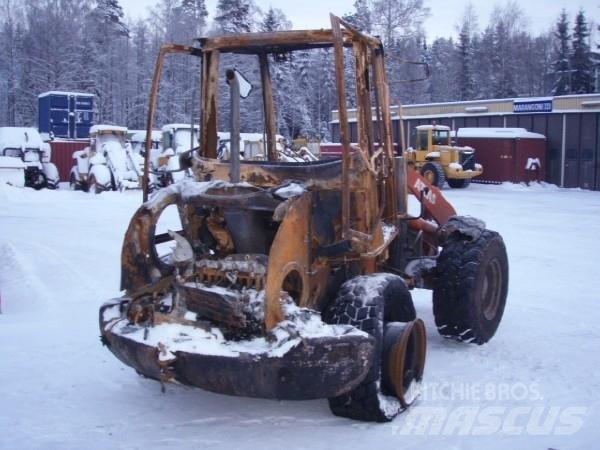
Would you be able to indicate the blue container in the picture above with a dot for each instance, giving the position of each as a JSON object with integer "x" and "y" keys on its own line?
{"x": 68, "y": 115}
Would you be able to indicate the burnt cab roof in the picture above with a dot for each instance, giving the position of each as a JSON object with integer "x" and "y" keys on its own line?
{"x": 281, "y": 41}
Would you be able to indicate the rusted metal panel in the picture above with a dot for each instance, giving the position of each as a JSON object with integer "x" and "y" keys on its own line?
{"x": 62, "y": 155}
{"x": 338, "y": 48}
{"x": 276, "y": 42}
{"x": 165, "y": 49}
{"x": 269, "y": 107}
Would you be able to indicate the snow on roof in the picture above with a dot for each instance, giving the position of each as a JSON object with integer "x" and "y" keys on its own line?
{"x": 79, "y": 94}
{"x": 17, "y": 137}
{"x": 433, "y": 127}
{"x": 532, "y": 99}
{"x": 99, "y": 128}
{"x": 140, "y": 135}
{"x": 178, "y": 126}
{"x": 498, "y": 133}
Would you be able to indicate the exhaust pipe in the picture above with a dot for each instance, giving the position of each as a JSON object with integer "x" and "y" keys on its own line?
{"x": 234, "y": 140}
{"x": 404, "y": 351}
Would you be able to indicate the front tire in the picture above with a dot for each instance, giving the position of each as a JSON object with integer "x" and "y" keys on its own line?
{"x": 434, "y": 173}
{"x": 399, "y": 355}
{"x": 470, "y": 288}
{"x": 36, "y": 180}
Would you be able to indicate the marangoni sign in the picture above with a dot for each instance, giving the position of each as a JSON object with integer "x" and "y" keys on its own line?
{"x": 533, "y": 106}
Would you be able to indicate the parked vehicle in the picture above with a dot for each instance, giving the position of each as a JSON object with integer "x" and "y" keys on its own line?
{"x": 12, "y": 171}
{"x": 137, "y": 139}
{"x": 253, "y": 148}
{"x": 108, "y": 163}
{"x": 26, "y": 145}
{"x": 440, "y": 161}
{"x": 177, "y": 138}
{"x": 292, "y": 281}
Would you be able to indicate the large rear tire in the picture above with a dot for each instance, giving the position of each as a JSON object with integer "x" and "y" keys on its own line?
{"x": 470, "y": 288}
{"x": 434, "y": 173}
{"x": 399, "y": 355}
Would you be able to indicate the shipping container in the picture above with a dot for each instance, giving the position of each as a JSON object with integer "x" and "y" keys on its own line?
{"x": 506, "y": 154}
{"x": 67, "y": 115}
{"x": 62, "y": 155}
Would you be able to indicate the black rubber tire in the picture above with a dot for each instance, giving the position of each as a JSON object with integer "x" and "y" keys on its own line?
{"x": 94, "y": 187}
{"x": 39, "y": 181}
{"x": 74, "y": 184}
{"x": 361, "y": 302}
{"x": 470, "y": 288}
{"x": 458, "y": 183}
{"x": 438, "y": 176}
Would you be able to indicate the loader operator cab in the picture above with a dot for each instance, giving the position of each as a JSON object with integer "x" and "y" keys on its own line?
{"x": 179, "y": 136}
{"x": 438, "y": 134}
{"x": 105, "y": 137}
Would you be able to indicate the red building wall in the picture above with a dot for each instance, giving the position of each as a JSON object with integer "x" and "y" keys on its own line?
{"x": 62, "y": 155}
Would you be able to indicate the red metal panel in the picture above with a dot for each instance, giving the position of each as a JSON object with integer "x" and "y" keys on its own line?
{"x": 62, "y": 155}
{"x": 509, "y": 159}
{"x": 495, "y": 155}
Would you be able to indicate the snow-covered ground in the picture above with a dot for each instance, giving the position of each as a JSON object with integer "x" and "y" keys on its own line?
{"x": 536, "y": 385}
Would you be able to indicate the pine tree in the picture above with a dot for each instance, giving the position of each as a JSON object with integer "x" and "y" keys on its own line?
{"x": 582, "y": 80}
{"x": 465, "y": 58}
{"x": 361, "y": 17}
{"x": 274, "y": 20}
{"x": 234, "y": 16}
{"x": 503, "y": 75}
{"x": 561, "y": 65}
{"x": 109, "y": 15}
{"x": 442, "y": 64}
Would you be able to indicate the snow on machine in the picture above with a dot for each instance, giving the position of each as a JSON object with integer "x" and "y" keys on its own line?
{"x": 108, "y": 163}
{"x": 253, "y": 148}
{"x": 292, "y": 280}
{"x": 34, "y": 169}
{"x": 137, "y": 139}
{"x": 177, "y": 138}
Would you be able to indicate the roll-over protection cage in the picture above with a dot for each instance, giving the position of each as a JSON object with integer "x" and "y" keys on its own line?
{"x": 375, "y": 147}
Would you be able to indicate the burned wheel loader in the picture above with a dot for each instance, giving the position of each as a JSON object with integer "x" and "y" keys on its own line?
{"x": 292, "y": 280}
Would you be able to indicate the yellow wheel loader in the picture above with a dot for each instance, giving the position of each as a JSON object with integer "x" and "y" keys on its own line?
{"x": 439, "y": 161}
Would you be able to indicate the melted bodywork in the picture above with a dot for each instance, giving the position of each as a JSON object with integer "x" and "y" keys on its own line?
{"x": 265, "y": 245}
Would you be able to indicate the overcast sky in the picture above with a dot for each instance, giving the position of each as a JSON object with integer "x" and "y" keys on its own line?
{"x": 445, "y": 14}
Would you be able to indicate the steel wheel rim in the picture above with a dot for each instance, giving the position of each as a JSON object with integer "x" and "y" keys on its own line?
{"x": 407, "y": 362}
{"x": 429, "y": 175}
{"x": 491, "y": 289}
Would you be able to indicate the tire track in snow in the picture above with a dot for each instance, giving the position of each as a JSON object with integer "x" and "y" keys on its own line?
{"x": 19, "y": 287}
{"x": 35, "y": 274}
